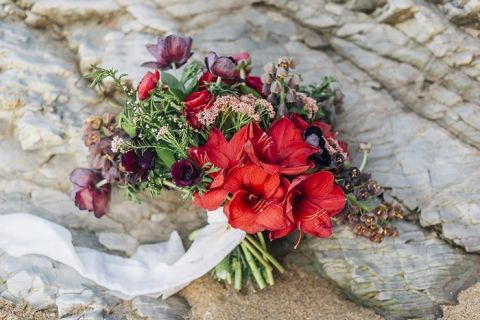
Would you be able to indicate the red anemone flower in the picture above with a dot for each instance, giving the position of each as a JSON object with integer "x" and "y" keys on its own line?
{"x": 222, "y": 154}
{"x": 312, "y": 200}
{"x": 280, "y": 150}
{"x": 257, "y": 199}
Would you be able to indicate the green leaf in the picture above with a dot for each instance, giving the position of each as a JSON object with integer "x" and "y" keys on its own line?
{"x": 244, "y": 89}
{"x": 127, "y": 125}
{"x": 192, "y": 86}
{"x": 165, "y": 156}
{"x": 175, "y": 86}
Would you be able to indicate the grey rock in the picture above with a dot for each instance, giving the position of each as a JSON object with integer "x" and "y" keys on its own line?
{"x": 172, "y": 308}
{"x": 400, "y": 278}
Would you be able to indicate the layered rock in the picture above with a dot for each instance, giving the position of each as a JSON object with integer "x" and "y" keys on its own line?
{"x": 410, "y": 73}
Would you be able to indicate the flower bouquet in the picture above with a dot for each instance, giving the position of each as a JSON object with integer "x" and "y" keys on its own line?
{"x": 262, "y": 148}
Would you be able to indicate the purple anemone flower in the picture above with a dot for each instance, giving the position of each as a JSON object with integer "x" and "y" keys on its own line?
{"x": 223, "y": 67}
{"x": 90, "y": 192}
{"x": 172, "y": 50}
{"x": 185, "y": 173}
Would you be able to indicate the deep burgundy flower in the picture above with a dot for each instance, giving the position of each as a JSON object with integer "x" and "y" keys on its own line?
{"x": 147, "y": 84}
{"x": 194, "y": 103}
{"x": 223, "y": 67}
{"x": 173, "y": 50}
{"x": 138, "y": 165}
{"x": 89, "y": 191}
{"x": 185, "y": 173}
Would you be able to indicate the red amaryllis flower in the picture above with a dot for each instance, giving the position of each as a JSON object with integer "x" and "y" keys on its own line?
{"x": 312, "y": 200}
{"x": 223, "y": 67}
{"x": 194, "y": 104}
{"x": 255, "y": 83}
{"x": 185, "y": 173}
{"x": 89, "y": 193}
{"x": 222, "y": 154}
{"x": 256, "y": 204}
{"x": 281, "y": 149}
{"x": 326, "y": 129}
{"x": 147, "y": 84}
{"x": 171, "y": 50}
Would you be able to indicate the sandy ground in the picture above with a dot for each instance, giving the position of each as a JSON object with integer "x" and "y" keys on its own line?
{"x": 295, "y": 295}
{"x": 468, "y": 307}
{"x": 8, "y": 311}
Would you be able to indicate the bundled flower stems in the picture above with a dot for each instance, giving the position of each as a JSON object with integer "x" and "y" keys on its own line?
{"x": 263, "y": 148}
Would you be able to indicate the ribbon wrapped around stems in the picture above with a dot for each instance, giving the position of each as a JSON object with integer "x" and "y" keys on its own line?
{"x": 160, "y": 269}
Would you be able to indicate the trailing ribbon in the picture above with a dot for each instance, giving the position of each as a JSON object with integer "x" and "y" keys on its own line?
{"x": 160, "y": 269}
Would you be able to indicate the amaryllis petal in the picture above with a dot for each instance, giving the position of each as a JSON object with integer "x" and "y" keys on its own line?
{"x": 320, "y": 227}
{"x": 334, "y": 202}
{"x": 281, "y": 149}
{"x": 210, "y": 200}
{"x": 254, "y": 179}
{"x": 277, "y": 234}
{"x": 273, "y": 217}
{"x": 240, "y": 215}
{"x": 316, "y": 186}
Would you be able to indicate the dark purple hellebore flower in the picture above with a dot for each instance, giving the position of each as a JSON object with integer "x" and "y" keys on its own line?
{"x": 185, "y": 173}
{"x": 138, "y": 165}
{"x": 90, "y": 192}
{"x": 172, "y": 49}
{"x": 223, "y": 67}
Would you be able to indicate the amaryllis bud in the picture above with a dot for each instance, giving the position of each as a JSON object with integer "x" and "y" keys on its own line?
{"x": 185, "y": 173}
{"x": 223, "y": 67}
{"x": 90, "y": 192}
{"x": 173, "y": 50}
{"x": 147, "y": 84}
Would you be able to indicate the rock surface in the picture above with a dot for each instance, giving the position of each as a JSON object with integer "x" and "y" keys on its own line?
{"x": 410, "y": 71}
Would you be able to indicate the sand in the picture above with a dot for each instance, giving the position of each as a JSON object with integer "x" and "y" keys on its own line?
{"x": 467, "y": 308}
{"x": 295, "y": 295}
{"x": 9, "y": 311}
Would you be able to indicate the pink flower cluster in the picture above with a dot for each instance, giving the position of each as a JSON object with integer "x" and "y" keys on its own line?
{"x": 248, "y": 104}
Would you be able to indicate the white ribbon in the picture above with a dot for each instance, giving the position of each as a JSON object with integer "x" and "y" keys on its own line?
{"x": 159, "y": 269}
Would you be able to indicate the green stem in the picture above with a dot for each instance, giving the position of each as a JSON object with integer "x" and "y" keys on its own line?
{"x": 251, "y": 263}
{"x": 169, "y": 184}
{"x": 282, "y": 92}
{"x": 237, "y": 267}
{"x": 267, "y": 255}
{"x": 257, "y": 255}
{"x": 364, "y": 161}
{"x": 262, "y": 240}
{"x": 101, "y": 183}
{"x": 242, "y": 73}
